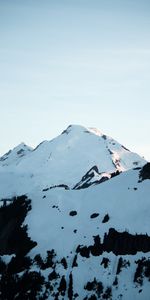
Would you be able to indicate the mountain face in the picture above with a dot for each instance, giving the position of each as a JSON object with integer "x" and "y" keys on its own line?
{"x": 66, "y": 160}
{"x": 14, "y": 156}
{"x": 75, "y": 220}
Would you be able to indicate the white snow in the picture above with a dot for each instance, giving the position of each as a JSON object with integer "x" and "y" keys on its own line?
{"x": 65, "y": 160}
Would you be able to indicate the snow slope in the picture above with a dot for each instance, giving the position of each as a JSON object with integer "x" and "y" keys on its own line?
{"x": 64, "y": 160}
{"x": 122, "y": 197}
{"x": 125, "y": 200}
{"x": 14, "y": 156}
{"x": 87, "y": 243}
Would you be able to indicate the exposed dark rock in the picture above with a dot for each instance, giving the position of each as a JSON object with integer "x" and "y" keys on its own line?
{"x": 115, "y": 283}
{"x": 66, "y": 187}
{"x": 125, "y": 148}
{"x": 67, "y": 130}
{"x": 142, "y": 270}
{"x": 95, "y": 215}
{"x": 135, "y": 163}
{"x": 147, "y": 269}
{"x": 106, "y": 218}
{"x": 27, "y": 286}
{"x": 138, "y": 276}
{"x": 19, "y": 263}
{"x": 114, "y": 174}
{"x": 84, "y": 251}
{"x": 48, "y": 262}
{"x": 116, "y": 163}
{"x": 86, "y": 179}
{"x": 108, "y": 293}
{"x": 73, "y": 213}
{"x": 145, "y": 172}
{"x": 120, "y": 243}
{"x": 70, "y": 287}
{"x": 45, "y": 190}
{"x": 86, "y": 182}
{"x": 62, "y": 286}
{"x": 13, "y": 235}
{"x": 21, "y": 151}
{"x": 5, "y": 156}
{"x": 2, "y": 266}
{"x": 97, "y": 248}
{"x": 110, "y": 152}
{"x": 64, "y": 263}
{"x": 74, "y": 264}
{"x": 53, "y": 275}
{"x": 39, "y": 261}
{"x": 120, "y": 265}
{"x": 95, "y": 286}
{"x": 105, "y": 262}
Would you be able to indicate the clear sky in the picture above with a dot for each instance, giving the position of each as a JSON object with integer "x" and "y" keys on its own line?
{"x": 81, "y": 62}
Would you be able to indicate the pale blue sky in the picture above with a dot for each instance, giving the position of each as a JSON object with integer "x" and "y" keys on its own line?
{"x": 75, "y": 62}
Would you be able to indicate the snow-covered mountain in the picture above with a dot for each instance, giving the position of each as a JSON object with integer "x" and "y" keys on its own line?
{"x": 65, "y": 160}
{"x": 79, "y": 231}
{"x": 14, "y": 156}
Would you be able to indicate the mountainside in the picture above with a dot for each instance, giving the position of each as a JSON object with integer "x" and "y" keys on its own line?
{"x": 14, "y": 156}
{"x": 75, "y": 220}
{"x": 65, "y": 160}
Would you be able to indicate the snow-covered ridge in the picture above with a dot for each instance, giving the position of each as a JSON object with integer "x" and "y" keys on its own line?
{"x": 14, "y": 155}
{"x": 84, "y": 201}
{"x": 80, "y": 244}
{"x": 64, "y": 160}
{"x": 78, "y": 129}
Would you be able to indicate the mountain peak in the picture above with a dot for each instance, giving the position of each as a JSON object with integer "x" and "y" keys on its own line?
{"x": 78, "y": 237}
{"x": 67, "y": 159}
{"x": 22, "y": 145}
{"x": 16, "y": 153}
{"x": 75, "y": 128}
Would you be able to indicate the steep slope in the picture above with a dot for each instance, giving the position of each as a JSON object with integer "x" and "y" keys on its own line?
{"x": 74, "y": 234}
{"x": 87, "y": 244}
{"x": 14, "y": 156}
{"x": 65, "y": 160}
